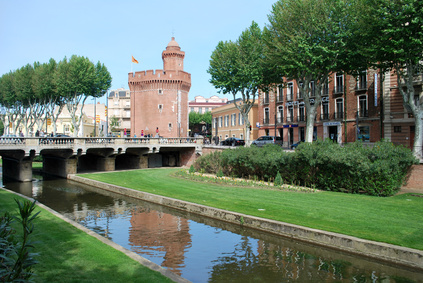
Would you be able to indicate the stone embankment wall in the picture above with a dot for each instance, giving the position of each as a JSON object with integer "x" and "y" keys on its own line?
{"x": 381, "y": 251}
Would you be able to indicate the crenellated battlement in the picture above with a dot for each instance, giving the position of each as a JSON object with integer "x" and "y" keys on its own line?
{"x": 158, "y": 75}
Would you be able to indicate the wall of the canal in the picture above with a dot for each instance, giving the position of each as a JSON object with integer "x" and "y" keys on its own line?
{"x": 381, "y": 251}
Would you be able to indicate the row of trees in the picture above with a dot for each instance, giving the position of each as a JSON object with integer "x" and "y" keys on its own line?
{"x": 36, "y": 92}
{"x": 307, "y": 40}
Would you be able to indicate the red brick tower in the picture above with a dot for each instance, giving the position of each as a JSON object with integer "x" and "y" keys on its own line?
{"x": 159, "y": 98}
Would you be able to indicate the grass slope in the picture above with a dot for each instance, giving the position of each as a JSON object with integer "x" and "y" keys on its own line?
{"x": 397, "y": 220}
{"x": 67, "y": 254}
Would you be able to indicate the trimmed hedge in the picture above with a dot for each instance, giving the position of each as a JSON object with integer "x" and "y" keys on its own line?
{"x": 375, "y": 170}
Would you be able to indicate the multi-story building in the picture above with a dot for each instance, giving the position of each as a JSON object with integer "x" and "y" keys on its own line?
{"x": 202, "y": 105}
{"x": 399, "y": 124}
{"x": 159, "y": 98}
{"x": 119, "y": 109}
{"x": 350, "y": 110}
{"x": 227, "y": 122}
{"x": 93, "y": 121}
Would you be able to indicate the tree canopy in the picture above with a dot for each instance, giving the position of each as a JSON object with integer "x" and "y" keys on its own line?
{"x": 395, "y": 43}
{"x": 35, "y": 92}
{"x": 239, "y": 68}
{"x": 304, "y": 39}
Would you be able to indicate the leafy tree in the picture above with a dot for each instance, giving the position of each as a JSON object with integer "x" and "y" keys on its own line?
{"x": 45, "y": 88}
{"x": 197, "y": 118}
{"x": 303, "y": 39}
{"x": 78, "y": 79}
{"x": 8, "y": 101}
{"x": 238, "y": 68}
{"x": 114, "y": 123}
{"x": 395, "y": 43}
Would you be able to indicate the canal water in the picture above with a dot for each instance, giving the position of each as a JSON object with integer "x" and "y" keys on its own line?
{"x": 202, "y": 249}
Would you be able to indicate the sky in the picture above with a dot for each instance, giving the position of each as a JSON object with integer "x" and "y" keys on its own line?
{"x": 113, "y": 31}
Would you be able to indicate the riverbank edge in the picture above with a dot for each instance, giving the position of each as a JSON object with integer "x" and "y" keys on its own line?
{"x": 382, "y": 251}
{"x": 145, "y": 262}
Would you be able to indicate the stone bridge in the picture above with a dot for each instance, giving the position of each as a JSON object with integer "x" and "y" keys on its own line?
{"x": 63, "y": 156}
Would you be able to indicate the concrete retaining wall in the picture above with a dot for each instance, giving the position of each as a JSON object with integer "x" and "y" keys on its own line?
{"x": 382, "y": 251}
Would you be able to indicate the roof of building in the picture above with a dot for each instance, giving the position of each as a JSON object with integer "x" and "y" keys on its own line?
{"x": 173, "y": 45}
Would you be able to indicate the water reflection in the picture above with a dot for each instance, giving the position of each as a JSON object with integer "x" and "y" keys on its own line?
{"x": 202, "y": 249}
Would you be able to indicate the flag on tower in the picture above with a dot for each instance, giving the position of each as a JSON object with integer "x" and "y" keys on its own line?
{"x": 134, "y": 60}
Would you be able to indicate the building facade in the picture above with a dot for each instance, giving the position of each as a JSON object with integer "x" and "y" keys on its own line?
{"x": 350, "y": 110}
{"x": 119, "y": 110}
{"x": 159, "y": 98}
{"x": 399, "y": 123}
{"x": 227, "y": 122}
{"x": 202, "y": 105}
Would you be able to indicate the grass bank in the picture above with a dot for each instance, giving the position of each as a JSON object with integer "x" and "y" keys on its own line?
{"x": 396, "y": 220}
{"x": 66, "y": 254}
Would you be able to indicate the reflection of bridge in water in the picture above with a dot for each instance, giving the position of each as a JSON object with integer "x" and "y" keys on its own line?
{"x": 63, "y": 156}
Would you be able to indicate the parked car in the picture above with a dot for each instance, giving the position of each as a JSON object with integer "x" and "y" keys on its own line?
{"x": 9, "y": 136}
{"x": 61, "y": 136}
{"x": 233, "y": 142}
{"x": 263, "y": 140}
{"x": 294, "y": 146}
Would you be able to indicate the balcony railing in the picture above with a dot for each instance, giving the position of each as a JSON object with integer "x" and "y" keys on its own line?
{"x": 325, "y": 91}
{"x": 338, "y": 89}
{"x": 301, "y": 118}
{"x": 338, "y": 115}
{"x": 289, "y": 97}
{"x": 279, "y": 120}
{"x": 266, "y": 120}
{"x": 290, "y": 119}
{"x": 324, "y": 116}
{"x": 279, "y": 98}
{"x": 363, "y": 113}
{"x": 362, "y": 85}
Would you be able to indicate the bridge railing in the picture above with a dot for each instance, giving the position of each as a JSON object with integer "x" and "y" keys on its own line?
{"x": 11, "y": 140}
{"x": 46, "y": 141}
{"x": 54, "y": 140}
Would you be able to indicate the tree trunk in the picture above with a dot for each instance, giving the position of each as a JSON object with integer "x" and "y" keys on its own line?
{"x": 418, "y": 136}
{"x": 311, "y": 114}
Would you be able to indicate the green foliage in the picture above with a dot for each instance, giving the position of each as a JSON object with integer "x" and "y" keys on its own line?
{"x": 238, "y": 68}
{"x": 209, "y": 163}
{"x": 303, "y": 41}
{"x": 15, "y": 259}
{"x": 379, "y": 170}
{"x": 197, "y": 118}
{"x": 278, "y": 180}
{"x": 191, "y": 169}
{"x": 219, "y": 173}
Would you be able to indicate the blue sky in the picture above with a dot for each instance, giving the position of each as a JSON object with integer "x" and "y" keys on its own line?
{"x": 111, "y": 31}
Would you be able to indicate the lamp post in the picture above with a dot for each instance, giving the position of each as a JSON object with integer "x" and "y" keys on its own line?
{"x": 95, "y": 118}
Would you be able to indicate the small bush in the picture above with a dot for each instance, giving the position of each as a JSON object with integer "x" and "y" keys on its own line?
{"x": 278, "y": 180}
{"x": 15, "y": 259}
{"x": 219, "y": 173}
{"x": 191, "y": 169}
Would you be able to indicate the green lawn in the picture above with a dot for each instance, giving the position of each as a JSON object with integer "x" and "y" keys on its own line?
{"x": 397, "y": 220}
{"x": 66, "y": 254}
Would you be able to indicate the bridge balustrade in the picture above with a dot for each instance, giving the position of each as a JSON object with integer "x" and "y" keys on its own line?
{"x": 9, "y": 140}
{"x": 46, "y": 141}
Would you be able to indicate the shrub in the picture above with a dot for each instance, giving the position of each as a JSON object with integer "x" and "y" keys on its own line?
{"x": 209, "y": 163}
{"x": 278, "y": 180}
{"x": 191, "y": 169}
{"x": 15, "y": 259}
{"x": 354, "y": 168}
